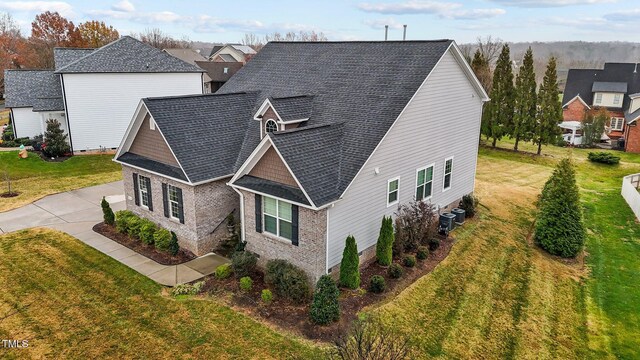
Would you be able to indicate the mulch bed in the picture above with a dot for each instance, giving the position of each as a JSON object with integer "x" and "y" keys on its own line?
{"x": 143, "y": 249}
{"x": 295, "y": 318}
{"x": 7, "y": 194}
{"x": 46, "y": 158}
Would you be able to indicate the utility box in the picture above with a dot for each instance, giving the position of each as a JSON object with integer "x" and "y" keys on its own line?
{"x": 460, "y": 215}
{"x": 447, "y": 221}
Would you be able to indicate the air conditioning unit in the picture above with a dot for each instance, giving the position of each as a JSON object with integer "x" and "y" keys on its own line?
{"x": 460, "y": 215}
{"x": 447, "y": 222}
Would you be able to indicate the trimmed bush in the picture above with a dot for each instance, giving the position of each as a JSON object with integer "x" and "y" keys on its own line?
{"x": 223, "y": 271}
{"x": 288, "y": 280}
{"x": 173, "y": 245}
{"x": 55, "y": 140}
{"x": 384, "y": 247}
{"x": 469, "y": 203}
{"x": 246, "y": 284}
{"x": 603, "y": 158}
{"x": 267, "y": 296}
{"x": 162, "y": 239}
{"x": 133, "y": 228}
{"x": 422, "y": 253}
{"x": 122, "y": 221}
{"x": 325, "y": 308}
{"x": 350, "y": 265}
{"x": 377, "y": 284}
{"x": 243, "y": 263}
{"x": 559, "y": 228}
{"x": 409, "y": 261}
{"x": 146, "y": 231}
{"x": 395, "y": 271}
{"x": 107, "y": 214}
{"x": 434, "y": 244}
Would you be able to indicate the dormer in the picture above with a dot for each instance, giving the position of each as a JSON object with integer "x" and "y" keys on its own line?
{"x": 283, "y": 113}
{"x": 608, "y": 94}
{"x": 635, "y": 102}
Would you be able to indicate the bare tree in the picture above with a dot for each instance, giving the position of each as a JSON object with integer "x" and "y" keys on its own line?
{"x": 489, "y": 48}
{"x": 370, "y": 340}
{"x": 158, "y": 39}
{"x": 252, "y": 40}
{"x": 257, "y": 43}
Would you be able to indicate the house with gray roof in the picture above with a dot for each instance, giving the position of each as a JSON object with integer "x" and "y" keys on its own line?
{"x": 308, "y": 143}
{"x": 192, "y": 57}
{"x": 232, "y": 53}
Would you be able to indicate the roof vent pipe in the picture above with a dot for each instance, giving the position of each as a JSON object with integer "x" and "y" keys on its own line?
{"x": 404, "y": 33}
{"x": 386, "y": 32}
{"x": 635, "y": 69}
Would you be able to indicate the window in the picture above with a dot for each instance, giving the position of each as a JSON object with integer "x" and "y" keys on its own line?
{"x": 277, "y": 217}
{"x": 226, "y": 70}
{"x": 143, "y": 190}
{"x": 270, "y": 126}
{"x": 424, "y": 180}
{"x": 598, "y": 99}
{"x": 174, "y": 202}
{"x": 617, "y": 123}
{"x": 152, "y": 124}
{"x": 448, "y": 169}
{"x": 393, "y": 191}
{"x": 616, "y": 99}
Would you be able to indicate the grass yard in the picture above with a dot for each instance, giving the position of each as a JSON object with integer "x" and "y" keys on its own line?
{"x": 4, "y": 116}
{"x": 35, "y": 178}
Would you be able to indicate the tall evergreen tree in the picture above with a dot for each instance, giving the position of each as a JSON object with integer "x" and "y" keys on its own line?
{"x": 350, "y": 265}
{"x": 550, "y": 108}
{"x": 480, "y": 67}
{"x": 384, "y": 247}
{"x": 524, "y": 117}
{"x": 497, "y": 116}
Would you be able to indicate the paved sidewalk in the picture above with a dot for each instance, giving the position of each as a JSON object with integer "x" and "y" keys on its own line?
{"x": 76, "y": 212}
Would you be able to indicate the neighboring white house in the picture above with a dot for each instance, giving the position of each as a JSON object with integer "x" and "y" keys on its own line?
{"x": 192, "y": 57}
{"x": 232, "y": 53}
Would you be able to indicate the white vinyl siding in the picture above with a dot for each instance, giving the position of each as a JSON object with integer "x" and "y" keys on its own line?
{"x": 28, "y": 123}
{"x": 617, "y": 123}
{"x": 100, "y": 106}
{"x": 174, "y": 202}
{"x": 277, "y": 217}
{"x": 607, "y": 99}
{"x": 424, "y": 183}
{"x": 415, "y": 140}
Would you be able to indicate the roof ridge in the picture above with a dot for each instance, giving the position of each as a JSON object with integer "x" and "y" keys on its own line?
{"x": 95, "y": 51}
{"x": 193, "y": 96}
{"x": 309, "y": 127}
{"x": 291, "y": 97}
{"x": 25, "y": 70}
{"x": 360, "y": 41}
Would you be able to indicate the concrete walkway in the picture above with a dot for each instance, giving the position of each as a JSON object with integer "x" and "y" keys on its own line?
{"x": 76, "y": 212}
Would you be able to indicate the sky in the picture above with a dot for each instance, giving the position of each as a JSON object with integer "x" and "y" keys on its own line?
{"x": 461, "y": 20}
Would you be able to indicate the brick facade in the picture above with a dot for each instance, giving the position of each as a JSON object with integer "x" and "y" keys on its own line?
{"x": 574, "y": 111}
{"x": 632, "y": 138}
{"x": 205, "y": 207}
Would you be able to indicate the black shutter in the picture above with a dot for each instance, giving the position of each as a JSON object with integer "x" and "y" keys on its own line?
{"x": 148, "y": 181}
{"x": 258, "y": 213}
{"x": 136, "y": 190}
{"x": 180, "y": 207}
{"x": 294, "y": 224}
{"x": 165, "y": 200}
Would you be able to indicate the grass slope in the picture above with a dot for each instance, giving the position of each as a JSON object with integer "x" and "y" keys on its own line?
{"x": 71, "y": 301}
{"x": 35, "y": 178}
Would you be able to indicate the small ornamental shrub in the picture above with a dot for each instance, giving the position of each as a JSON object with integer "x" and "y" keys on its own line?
{"x": 469, "y": 203}
{"x": 350, "y": 265}
{"x": 434, "y": 244}
{"x": 395, "y": 271}
{"x": 377, "y": 284}
{"x": 173, "y": 245}
{"x": 133, "y": 227}
{"x": 162, "y": 239}
{"x": 288, "y": 280}
{"x": 409, "y": 261}
{"x": 223, "y": 271}
{"x": 369, "y": 338}
{"x": 422, "y": 253}
{"x": 325, "y": 308}
{"x": 243, "y": 263}
{"x": 122, "y": 221}
{"x": 604, "y": 158}
{"x": 146, "y": 231}
{"x": 107, "y": 214}
{"x": 416, "y": 224}
{"x": 187, "y": 289}
{"x": 246, "y": 284}
{"x": 266, "y": 296}
{"x": 55, "y": 140}
{"x": 384, "y": 247}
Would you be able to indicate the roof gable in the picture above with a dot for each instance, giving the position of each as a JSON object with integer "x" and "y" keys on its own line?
{"x": 65, "y": 56}
{"x": 22, "y": 87}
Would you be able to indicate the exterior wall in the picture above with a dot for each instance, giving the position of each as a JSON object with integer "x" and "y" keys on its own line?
{"x": 205, "y": 209}
{"x": 607, "y": 100}
{"x": 635, "y": 105}
{"x": 632, "y": 138}
{"x": 272, "y": 168}
{"x": 310, "y": 252}
{"x": 419, "y": 138}
{"x": 57, "y": 115}
{"x": 574, "y": 111}
{"x": 615, "y": 134}
{"x": 150, "y": 144}
{"x": 100, "y": 106}
{"x": 27, "y": 123}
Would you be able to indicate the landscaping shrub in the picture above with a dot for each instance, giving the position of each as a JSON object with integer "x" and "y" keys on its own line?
{"x": 395, "y": 271}
{"x": 377, "y": 284}
{"x": 350, "y": 265}
{"x": 469, "y": 203}
{"x": 173, "y": 245}
{"x": 107, "y": 214}
{"x": 409, "y": 261}
{"x": 246, "y": 284}
{"x": 7, "y": 134}
{"x": 422, "y": 253}
{"x": 325, "y": 308}
{"x": 416, "y": 224}
{"x": 122, "y": 221}
{"x": 223, "y": 271}
{"x": 288, "y": 280}
{"x": 243, "y": 263}
{"x": 434, "y": 244}
{"x": 162, "y": 239}
{"x": 133, "y": 226}
{"x": 146, "y": 231}
{"x": 370, "y": 339}
{"x": 187, "y": 289}
{"x": 267, "y": 296}
{"x": 55, "y": 140}
{"x": 603, "y": 158}
{"x": 384, "y": 247}
{"x": 559, "y": 228}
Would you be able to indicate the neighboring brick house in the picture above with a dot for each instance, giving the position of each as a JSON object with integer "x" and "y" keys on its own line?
{"x": 310, "y": 142}
{"x": 615, "y": 88}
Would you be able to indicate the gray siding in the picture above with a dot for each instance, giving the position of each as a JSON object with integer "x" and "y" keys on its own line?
{"x": 442, "y": 120}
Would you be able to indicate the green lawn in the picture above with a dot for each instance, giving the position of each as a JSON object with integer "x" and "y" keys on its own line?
{"x": 35, "y": 178}
{"x": 4, "y": 117}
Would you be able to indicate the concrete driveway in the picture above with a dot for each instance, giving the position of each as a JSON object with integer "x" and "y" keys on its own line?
{"x": 76, "y": 212}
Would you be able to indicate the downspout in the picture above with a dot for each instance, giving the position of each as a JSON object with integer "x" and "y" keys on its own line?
{"x": 66, "y": 112}
{"x": 12, "y": 120}
{"x": 326, "y": 250}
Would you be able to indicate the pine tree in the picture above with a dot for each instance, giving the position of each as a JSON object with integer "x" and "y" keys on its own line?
{"x": 107, "y": 214}
{"x": 524, "y": 117}
{"x": 384, "y": 247}
{"x": 350, "y": 265}
{"x": 559, "y": 227}
{"x": 497, "y": 116}
{"x": 482, "y": 70}
{"x": 55, "y": 139}
{"x": 325, "y": 307}
{"x": 550, "y": 108}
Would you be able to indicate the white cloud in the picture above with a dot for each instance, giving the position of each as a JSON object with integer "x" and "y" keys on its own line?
{"x": 474, "y": 14}
{"x": 627, "y": 15}
{"x": 380, "y": 23}
{"x": 448, "y": 10}
{"x": 64, "y": 8}
{"x": 123, "y": 6}
{"x": 550, "y": 3}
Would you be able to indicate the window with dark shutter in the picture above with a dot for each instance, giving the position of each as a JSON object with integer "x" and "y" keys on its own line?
{"x": 180, "y": 205}
{"x": 294, "y": 225}
{"x": 258, "y": 213}
{"x": 165, "y": 200}
{"x": 136, "y": 194}
{"x": 148, "y": 181}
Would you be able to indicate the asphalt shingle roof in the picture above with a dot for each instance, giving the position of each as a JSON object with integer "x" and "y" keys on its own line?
{"x": 608, "y": 86}
{"x": 21, "y": 86}
{"x": 215, "y": 70}
{"x": 65, "y": 56}
{"x": 152, "y": 165}
{"x": 293, "y": 107}
{"x": 48, "y": 93}
{"x": 128, "y": 55}
{"x": 271, "y": 187}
